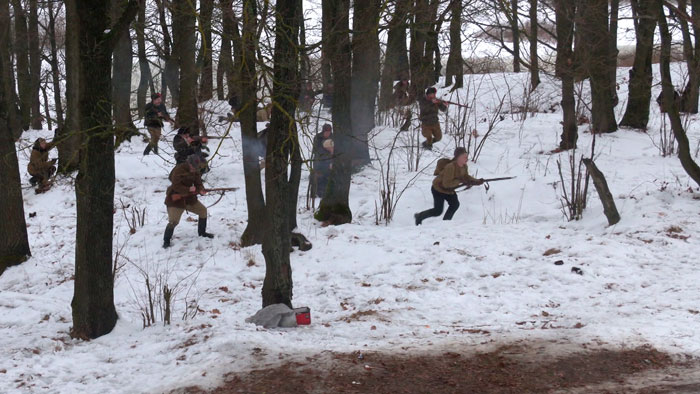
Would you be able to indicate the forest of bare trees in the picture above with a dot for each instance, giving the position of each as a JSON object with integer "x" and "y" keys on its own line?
{"x": 85, "y": 70}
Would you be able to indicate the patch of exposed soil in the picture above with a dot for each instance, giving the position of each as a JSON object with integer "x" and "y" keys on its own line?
{"x": 507, "y": 369}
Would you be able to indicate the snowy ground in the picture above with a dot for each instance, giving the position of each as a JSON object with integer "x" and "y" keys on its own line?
{"x": 481, "y": 278}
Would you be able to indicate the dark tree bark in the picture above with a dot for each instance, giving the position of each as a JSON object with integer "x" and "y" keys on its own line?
{"x": 21, "y": 46}
{"x": 146, "y": 78}
{"x": 304, "y": 59}
{"x": 225, "y": 68}
{"x": 255, "y": 230}
{"x": 69, "y": 135}
{"x": 365, "y": 76}
{"x": 325, "y": 36}
{"x": 689, "y": 98}
{"x": 601, "y": 186}
{"x": 639, "y": 99}
{"x": 335, "y": 206}
{"x": 14, "y": 244}
{"x": 614, "y": 13}
{"x": 455, "y": 62}
{"x": 597, "y": 64}
{"x": 170, "y": 80}
{"x": 515, "y": 30}
{"x": 396, "y": 56}
{"x": 55, "y": 70}
{"x": 94, "y": 314}
{"x": 420, "y": 26}
{"x": 282, "y": 141}
{"x": 183, "y": 29}
{"x": 565, "y": 12}
{"x": 534, "y": 60}
{"x": 121, "y": 80}
{"x": 206, "y": 82}
{"x": 690, "y": 167}
{"x": 34, "y": 65}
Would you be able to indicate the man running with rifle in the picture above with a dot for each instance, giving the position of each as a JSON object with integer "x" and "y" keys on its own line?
{"x": 182, "y": 195}
{"x": 156, "y": 113}
{"x": 430, "y": 124}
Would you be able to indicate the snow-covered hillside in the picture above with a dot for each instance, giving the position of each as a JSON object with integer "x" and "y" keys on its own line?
{"x": 482, "y": 277}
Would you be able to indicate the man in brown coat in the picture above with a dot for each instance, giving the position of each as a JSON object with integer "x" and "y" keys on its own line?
{"x": 40, "y": 167}
{"x": 156, "y": 113}
{"x": 448, "y": 179}
{"x": 430, "y": 124}
{"x": 181, "y": 196}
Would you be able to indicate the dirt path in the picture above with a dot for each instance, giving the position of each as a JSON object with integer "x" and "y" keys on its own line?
{"x": 515, "y": 368}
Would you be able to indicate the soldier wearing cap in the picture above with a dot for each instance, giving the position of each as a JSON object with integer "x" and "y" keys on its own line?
{"x": 156, "y": 113}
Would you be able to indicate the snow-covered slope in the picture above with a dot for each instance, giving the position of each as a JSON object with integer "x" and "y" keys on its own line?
{"x": 481, "y": 278}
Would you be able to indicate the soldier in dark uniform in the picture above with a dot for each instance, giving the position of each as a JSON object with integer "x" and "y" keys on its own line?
{"x": 156, "y": 113}
{"x": 430, "y": 124}
{"x": 186, "y": 145}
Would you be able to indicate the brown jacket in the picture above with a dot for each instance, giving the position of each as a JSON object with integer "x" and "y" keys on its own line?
{"x": 451, "y": 177}
{"x": 39, "y": 160}
{"x": 182, "y": 179}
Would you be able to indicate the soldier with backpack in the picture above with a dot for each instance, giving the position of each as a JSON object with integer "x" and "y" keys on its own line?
{"x": 450, "y": 174}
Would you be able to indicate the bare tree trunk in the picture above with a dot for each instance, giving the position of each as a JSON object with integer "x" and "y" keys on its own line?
{"x": 597, "y": 64}
{"x": 206, "y": 82}
{"x": 420, "y": 25}
{"x": 325, "y": 34}
{"x": 639, "y": 99}
{"x": 365, "y": 76}
{"x": 534, "y": 60}
{"x": 396, "y": 56}
{"x": 689, "y": 98}
{"x": 455, "y": 62}
{"x": 614, "y": 13}
{"x": 277, "y": 287}
{"x": 225, "y": 68}
{"x": 255, "y": 230}
{"x": 335, "y": 206}
{"x": 34, "y": 65}
{"x": 55, "y": 71}
{"x": 69, "y": 135}
{"x": 14, "y": 244}
{"x": 24, "y": 82}
{"x": 94, "y": 313}
{"x": 304, "y": 59}
{"x": 146, "y": 78}
{"x": 121, "y": 81}
{"x": 183, "y": 30}
{"x": 171, "y": 74}
{"x": 690, "y": 167}
{"x": 515, "y": 29}
{"x": 565, "y": 13}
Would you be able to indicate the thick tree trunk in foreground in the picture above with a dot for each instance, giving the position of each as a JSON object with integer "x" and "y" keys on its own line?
{"x": 255, "y": 230}
{"x": 55, "y": 71}
{"x": 515, "y": 30}
{"x": 14, "y": 244}
{"x": 146, "y": 78}
{"x": 565, "y": 11}
{"x": 365, "y": 76}
{"x": 613, "y": 52}
{"x": 184, "y": 28}
{"x": 34, "y": 65}
{"x": 639, "y": 99}
{"x": 690, "y": 167}
{"x": 689, "y": 98}
{"x": 94, "y": 314}
{"x": 334, "y": 206}
{"x": 534, "y": 60}
{"x": 21, "y": 48}
{"x": 282, "y": 141}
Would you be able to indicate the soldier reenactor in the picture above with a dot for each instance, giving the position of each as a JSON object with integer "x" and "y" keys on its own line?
{"x": 450, "y": 174}
{"x": 430, "y": 124}
{"x": 181, "y": 196}
{"x": 40, "y": 167}
{"x": 322, "y": 156}
{"x": 401, "y": 93}
{"x": 156, "y": 113}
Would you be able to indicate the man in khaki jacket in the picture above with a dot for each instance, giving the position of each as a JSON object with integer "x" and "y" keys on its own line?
{"x": 449, "y": 178}
{"x": 40, "y": 167}
{"x": 181, "y": 196}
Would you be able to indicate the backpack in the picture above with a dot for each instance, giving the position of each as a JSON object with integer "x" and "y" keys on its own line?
{"x": 441, "y": 164}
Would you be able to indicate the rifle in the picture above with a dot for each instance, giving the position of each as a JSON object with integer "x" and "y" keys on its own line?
{"x": 453, "y": 103}
{"x": 222, "y": 189}
{"x": 468, "y": 185}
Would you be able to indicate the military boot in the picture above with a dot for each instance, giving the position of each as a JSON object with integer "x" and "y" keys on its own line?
{"x": 202, "y": 228}
{"x": 169, "y": 229}
{"x": 147, "y": 150}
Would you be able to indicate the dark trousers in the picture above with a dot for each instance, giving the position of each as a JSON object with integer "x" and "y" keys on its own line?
{"x": 439, "y": 204}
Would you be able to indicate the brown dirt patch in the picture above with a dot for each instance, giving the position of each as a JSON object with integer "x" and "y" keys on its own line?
{"x": 507, "y": 369}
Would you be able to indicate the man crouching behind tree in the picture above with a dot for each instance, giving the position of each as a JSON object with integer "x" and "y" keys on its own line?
{"x": 182, "y": 195}
{"x": 449, "y": 177}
